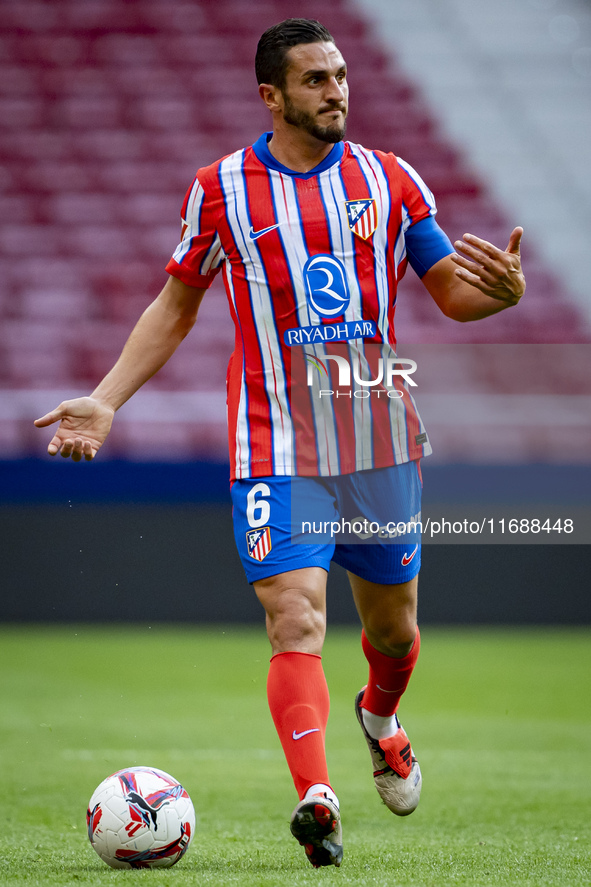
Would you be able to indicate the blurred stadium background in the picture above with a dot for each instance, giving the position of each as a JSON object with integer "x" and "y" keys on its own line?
{"x": 107, "y": 109}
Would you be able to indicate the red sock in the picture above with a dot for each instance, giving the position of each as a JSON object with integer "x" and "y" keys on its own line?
{"x": 388, "y": 677}
{"x": 299, "y": 703}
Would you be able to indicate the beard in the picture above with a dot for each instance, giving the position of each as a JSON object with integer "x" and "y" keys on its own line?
{"x": 333, "y": 133}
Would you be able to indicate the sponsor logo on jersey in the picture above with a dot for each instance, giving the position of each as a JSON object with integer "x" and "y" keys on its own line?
{"x": 327, "y": 289}
{"x": 330, "y": 332}
{"x": 362, "y": 216}
{"x": 258, "y": 543}
{"x": 327, "y": 293}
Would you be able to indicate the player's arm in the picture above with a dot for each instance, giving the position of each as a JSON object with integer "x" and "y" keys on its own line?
{"x": 478, "y": 280}
{"x": 86, "y": 421}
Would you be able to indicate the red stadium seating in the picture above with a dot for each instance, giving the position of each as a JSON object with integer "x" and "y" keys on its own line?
{"x": 106, "y": 111}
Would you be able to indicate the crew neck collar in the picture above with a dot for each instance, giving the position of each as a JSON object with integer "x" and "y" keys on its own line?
{"x": 261, "y": 149}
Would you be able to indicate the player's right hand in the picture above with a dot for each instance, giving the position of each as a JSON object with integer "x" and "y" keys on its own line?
{"x": 84, "y": 426}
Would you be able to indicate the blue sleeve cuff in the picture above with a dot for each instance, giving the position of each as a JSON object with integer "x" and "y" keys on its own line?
{"x": 426, "y": 244}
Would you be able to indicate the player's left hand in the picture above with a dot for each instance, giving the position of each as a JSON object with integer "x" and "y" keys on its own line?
{"x": 495, "y": 272}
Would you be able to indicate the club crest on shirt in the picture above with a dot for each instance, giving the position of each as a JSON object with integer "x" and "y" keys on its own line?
{"x": 258, "y": 543}
{"x": 362, "y": 215}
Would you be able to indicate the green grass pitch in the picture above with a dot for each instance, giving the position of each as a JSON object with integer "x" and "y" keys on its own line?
{"x": 500, "y": 720}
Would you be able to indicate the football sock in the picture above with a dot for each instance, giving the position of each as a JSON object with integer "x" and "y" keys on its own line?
{"x": 324, "y": 790}
{"x": 377, "y": 727}
{"x": 388, "y": 679}
{"x": 299, "y": 703}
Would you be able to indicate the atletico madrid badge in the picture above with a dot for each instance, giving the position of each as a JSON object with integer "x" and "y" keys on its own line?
{"x": 258, "y": 543}
{"x": 363, "y": 216}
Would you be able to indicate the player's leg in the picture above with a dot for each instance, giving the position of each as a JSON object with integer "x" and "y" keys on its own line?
{"x": 388, "y": 614}
{"x": 391, "y": 644}
{"x": 298, "y": 696}
{"x": 295, "y": 607}
{"x": 290, "y": 582}
{"x": 383, "y": 571}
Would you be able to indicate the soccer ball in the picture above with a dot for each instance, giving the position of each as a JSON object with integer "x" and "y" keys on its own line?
{"x": 140, "y": 818}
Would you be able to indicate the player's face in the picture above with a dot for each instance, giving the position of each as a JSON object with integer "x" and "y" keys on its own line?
{"x": 316, "y": 94}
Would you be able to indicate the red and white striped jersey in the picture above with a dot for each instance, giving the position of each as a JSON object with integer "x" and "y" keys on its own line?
{"x": 311, "y": 263}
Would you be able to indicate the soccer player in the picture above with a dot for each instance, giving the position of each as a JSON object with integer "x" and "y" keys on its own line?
{"x": 312, "y": 234}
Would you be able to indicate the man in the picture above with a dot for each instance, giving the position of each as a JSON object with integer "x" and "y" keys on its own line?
{"x": 312, "y": 233}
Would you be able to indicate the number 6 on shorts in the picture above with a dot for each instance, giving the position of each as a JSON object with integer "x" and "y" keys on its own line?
{"x": 261, "y": 505}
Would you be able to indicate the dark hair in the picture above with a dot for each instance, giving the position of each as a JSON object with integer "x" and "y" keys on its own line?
{"x": 271, "y": 59}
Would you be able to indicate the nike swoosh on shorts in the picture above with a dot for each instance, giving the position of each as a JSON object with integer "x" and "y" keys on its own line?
{"x": 408, "y": 557}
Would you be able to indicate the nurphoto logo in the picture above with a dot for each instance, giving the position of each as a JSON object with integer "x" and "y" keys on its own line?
{"x": 387, "y": 370}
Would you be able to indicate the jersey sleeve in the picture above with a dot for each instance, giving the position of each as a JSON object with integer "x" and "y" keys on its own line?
{"x": 199, "y": 256}
{"x": 426, "y": 244}
{"x": 418, "y": 201}
{"x": 425, "y": 241}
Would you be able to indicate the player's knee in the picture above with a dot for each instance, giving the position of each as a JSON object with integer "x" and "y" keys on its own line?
{"x": 295, "y": 622}
{"x": 298, "y": 616}
{"x": 394, "y": 637}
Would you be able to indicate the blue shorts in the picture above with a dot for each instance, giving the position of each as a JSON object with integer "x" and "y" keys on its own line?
{"x": 368, "y": 522}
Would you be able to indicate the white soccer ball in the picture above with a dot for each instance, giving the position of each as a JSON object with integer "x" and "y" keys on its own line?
{"x": 140, "y": 818}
